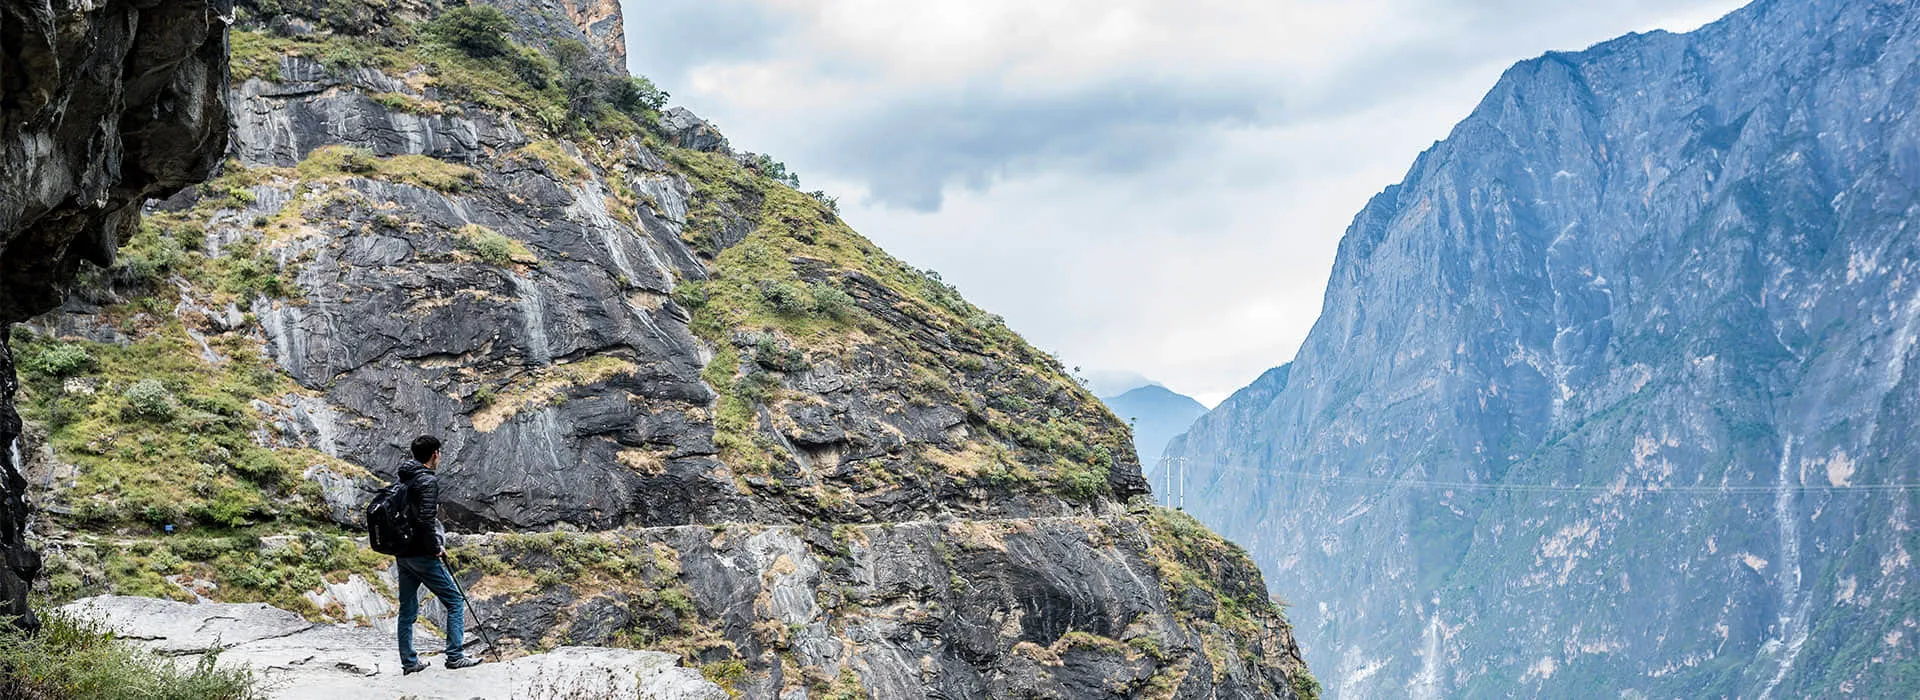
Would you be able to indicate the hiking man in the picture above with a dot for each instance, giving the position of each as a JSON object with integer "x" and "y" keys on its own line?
{"x": 421, "y": 562}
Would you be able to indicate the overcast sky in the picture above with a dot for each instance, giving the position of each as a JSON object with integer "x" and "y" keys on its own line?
{"x": 1154, "y": 186}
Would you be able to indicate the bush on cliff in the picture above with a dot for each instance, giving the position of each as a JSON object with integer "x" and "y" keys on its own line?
{"x": 478, "y": 30}
{"x": 73, "y": 658}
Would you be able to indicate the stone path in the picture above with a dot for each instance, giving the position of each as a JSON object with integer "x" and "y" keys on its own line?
{"x": 300, "y": 660}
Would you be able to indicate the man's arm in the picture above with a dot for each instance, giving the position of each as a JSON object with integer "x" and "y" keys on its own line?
{"x": 427, "y": 514}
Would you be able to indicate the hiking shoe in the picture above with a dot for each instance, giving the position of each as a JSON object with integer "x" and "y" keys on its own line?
{"x": 462, "y": 662}
{"x": 410, "y": 669}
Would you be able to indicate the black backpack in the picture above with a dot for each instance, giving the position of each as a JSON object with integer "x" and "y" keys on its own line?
{"x": 390, "y": 519}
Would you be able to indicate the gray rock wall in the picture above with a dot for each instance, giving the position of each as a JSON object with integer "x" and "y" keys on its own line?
{"x": 105, "y": 105}
{"x": 685, "y": 407}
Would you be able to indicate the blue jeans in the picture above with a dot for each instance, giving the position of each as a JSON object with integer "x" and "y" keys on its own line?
{"x": 415, "y": 571}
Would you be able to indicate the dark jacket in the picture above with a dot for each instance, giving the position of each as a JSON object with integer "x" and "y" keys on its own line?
{"x": 424, "y": 491}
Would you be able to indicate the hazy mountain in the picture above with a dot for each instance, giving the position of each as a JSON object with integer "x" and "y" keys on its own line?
{"x": 1157, "y": 414}
{"x": 1597, "y": 387}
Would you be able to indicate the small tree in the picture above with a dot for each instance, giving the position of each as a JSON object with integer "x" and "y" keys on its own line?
{"x": 478, "y": 30}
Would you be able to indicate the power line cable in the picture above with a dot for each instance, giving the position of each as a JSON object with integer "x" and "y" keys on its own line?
{"x": 1502, "y": 487}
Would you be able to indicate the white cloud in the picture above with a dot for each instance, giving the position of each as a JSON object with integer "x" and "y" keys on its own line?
{"x": 1151, "y": 185}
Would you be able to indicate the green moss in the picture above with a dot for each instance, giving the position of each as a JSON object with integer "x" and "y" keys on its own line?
{"x": 242, "y": 568}
{"x": 338, "y": 161}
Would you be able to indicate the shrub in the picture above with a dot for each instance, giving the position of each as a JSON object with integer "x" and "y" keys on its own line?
{"x": 636, "y": 94}
{"x": 149, "y": 399}
{"x": 247, "y": 272}
{"x": 768, "y": 353}
{"x": 829, "y": 301}
{"x": 60, "y": 360}
{"x": 690, "y": 295}
{"x": 775, "y": 170}
{"x": 74, "y": 658}
{"x": 479, "y": 31}
{"x": 786, "y": 298}
{"x": 150, "y": 254}
{"x": 1305, "y": 685}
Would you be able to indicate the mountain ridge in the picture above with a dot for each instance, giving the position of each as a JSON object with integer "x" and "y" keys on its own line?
{"x": 1669, "y": 260}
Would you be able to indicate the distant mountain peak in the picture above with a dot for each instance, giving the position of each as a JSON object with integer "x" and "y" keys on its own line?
{"x": 1156, "y": 414}
{"x": 1667, "y": 262}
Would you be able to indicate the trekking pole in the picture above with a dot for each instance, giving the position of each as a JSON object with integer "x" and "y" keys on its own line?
{"x": 471, "y": 611}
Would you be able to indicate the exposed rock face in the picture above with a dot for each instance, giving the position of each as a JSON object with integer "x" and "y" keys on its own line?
{"x": 102, "y": 105}
{"x": 1675, "y": 273}
{"x": 685, "y": 407}
{"x": 298, "y": 660}
{"x": 601, "y": 21}
{"x": 1027, "y": 607}
{"x": 107, "y": 104}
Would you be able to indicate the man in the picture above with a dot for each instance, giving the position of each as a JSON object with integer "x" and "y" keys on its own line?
{"x": 422, "y": 563}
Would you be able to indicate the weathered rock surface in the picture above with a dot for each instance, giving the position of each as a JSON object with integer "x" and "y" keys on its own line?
{"x": 1655, "y": 301}
{"x": 300, "y": 660}
{"x": 1030, "y": 607}
{"x": 685, "y": 406}
{"x": 104, "y": 105}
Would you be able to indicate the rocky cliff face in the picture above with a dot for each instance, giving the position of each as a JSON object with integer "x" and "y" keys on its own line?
{"x": 1599, "y": 387}
{"x": 102, "y": 105}
{"x": 685, "y": 407}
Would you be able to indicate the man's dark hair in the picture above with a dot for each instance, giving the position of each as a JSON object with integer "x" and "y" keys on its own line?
{"x": 424, "y": 447}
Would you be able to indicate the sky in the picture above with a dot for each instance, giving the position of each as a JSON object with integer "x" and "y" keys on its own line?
{"x": 1138, "y": 186}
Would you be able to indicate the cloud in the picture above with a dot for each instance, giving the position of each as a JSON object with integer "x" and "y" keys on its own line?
{"x": 909, "y": 153}
{"x": 666, "y": 38}
{"x": 1147, "y": 185}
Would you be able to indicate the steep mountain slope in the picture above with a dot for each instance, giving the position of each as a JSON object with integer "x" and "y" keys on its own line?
{"x": 1156, "y": 414}
{"x": 686, "y": 408}
{"x": 1598, "y": 387}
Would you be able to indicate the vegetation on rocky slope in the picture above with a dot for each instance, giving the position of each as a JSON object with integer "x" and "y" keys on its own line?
{"x": 177, "y": 462}
{"x": 72, "y": 658}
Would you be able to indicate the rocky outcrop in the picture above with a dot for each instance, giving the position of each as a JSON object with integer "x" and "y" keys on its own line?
{"x": 298, "y": 660}
{"x": 601, "y": 22}
{"x": 685, "y": 406}
{"x": 1600, "y": 390}
{"x": 1123, "y": 605}
{"x": 102, "y": 105}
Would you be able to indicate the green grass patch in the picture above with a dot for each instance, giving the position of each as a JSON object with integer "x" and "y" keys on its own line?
{"x": 557, "y": 160}
{"x": 161, "y": 436}
{"x": 335, "y": 161}
{"x": 76, "y": 658}
{"x": 495, "y": 249}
